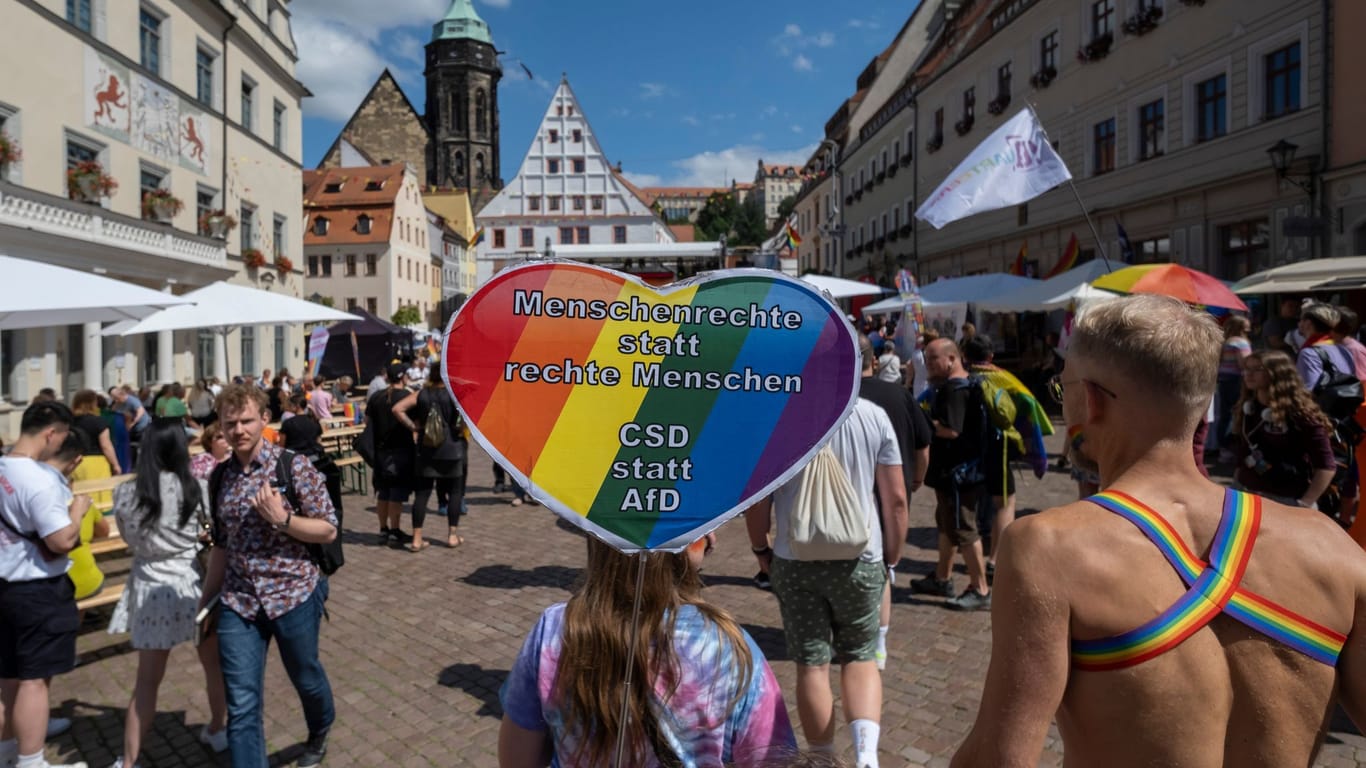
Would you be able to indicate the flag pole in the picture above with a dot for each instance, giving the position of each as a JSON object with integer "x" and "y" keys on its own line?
{"x": 622, "y": 720}
{"x": 1094, "y": 232}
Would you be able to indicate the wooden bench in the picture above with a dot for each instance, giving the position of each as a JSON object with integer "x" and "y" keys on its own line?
{"x": 97, "y": 486}
{"x": 354, "y": 469}
{"x": 109, "y": 595}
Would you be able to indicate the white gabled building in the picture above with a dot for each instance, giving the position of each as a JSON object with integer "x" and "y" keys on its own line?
{"x": 566, "y": 191}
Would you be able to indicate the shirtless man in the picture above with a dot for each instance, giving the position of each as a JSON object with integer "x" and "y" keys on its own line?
{"x": 1208, "y": 691}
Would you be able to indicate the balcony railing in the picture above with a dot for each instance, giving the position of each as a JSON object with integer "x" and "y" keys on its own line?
{"x": 60, "y": 217}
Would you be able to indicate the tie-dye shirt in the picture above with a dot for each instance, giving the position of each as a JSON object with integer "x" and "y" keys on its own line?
{"x": 697, "y": 722}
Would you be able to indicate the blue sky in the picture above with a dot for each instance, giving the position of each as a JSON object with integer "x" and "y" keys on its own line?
{"x": 679, "y": 93}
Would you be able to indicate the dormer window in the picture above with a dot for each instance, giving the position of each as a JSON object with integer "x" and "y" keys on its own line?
{"x": 320, "y": 226}
{"x": 578, "y": 136}
{"x": 374, "y": 186}
{"x": 363, "y": 224}
{"x": 554, "y": 136}
{"x": 332, "y": 187}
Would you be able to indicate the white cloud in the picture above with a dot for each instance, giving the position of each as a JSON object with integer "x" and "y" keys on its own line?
{"x": 863, "y": 24}
{"x": 756, "y": 137}
{"x": 644, "y": 179}
{"x": 802, "y": 64}
{"x": 336, "y": 64}
{"x": 692, "y": 120}
{"x": 367, "y": 18}
{"x": 717, "y": 169}
{"x": 769, "y": 111}
{"x": 792, "y": 30}
{"x": 796, "y": 129}
{"x": 793, "y": 41}
{"x": 409, "y": 47}
{"x": 823, "y": 40}
{"x": 652, "y": 90}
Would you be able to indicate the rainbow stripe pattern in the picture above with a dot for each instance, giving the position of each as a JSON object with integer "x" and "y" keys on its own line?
{"x": 1213, "y": 589}
{"x": 565, "y": 443}
{"x": 793, "y": 239}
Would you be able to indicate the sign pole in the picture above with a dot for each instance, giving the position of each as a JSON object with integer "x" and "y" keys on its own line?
{"x": 1073, "y": 186}
{"x": 622, "y": 721}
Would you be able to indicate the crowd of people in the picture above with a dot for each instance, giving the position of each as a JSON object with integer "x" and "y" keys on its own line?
{"x": 224, "y": 547}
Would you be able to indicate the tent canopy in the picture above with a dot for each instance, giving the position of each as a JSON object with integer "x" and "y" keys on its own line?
{"x": 1055, "y": 292}
{"x": 1341, "y": 274}
{"x": 224, "y": 306}
{"x": 37, "y": 295}
{"x": 840, "y": 288}
{"x": 366, "y": 324}
{"x": 973, "y": 289}
{"x": 377, "y": 342}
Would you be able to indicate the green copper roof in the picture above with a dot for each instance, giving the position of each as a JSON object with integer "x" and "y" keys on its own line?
{"x": 462, "y": 22}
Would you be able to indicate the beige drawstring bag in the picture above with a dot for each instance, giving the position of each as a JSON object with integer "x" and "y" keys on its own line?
{"x": 827, "y": 520}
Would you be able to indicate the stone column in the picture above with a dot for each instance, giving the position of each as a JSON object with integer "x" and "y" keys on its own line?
{"x": 220, "y": 356}
{"x": 48, "y": 366}
{"x": 94, "y": 357}
{"x": 166, "y": 352}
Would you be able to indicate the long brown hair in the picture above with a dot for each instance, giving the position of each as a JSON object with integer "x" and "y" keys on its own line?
{"x": 589, "y": 681}
{"x": 1290, "y": 401}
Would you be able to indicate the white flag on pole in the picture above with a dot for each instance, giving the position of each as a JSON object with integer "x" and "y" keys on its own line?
{"x": 1015, "y": 163}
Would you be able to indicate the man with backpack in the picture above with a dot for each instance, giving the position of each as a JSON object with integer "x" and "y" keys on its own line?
{"x": 957, "y": 475}
{"x": 828, "y": 563}
{"x": 265, "y": 579}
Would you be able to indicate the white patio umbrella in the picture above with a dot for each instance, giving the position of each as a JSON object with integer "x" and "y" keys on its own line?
{"x": 221, "y": 307}
{"x": 37, "y": 295}
{"x": 841, "y": 288}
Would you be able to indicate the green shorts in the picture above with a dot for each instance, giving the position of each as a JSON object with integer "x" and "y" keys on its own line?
{"x": 830, "y": 608}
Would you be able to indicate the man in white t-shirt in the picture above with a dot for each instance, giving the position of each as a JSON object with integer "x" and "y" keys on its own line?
{"x": 38, "y": 618}
{"x": 417, "y": 373}
{"x": 830, "y": 607}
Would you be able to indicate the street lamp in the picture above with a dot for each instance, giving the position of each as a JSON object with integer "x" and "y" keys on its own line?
{"x": 316, "y": 298}
{"x": 1282, "y": 155}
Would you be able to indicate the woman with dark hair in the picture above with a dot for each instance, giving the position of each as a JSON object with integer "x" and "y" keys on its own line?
{"x": 703, "y": 694}
{"x": 1280, "y": 437}
{"x": 100, "y": 463}
{"x": 158, "y": 514}
{"x": 441, "y": 465}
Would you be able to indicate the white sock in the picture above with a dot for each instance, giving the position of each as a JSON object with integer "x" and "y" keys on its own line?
{"x": 882, "y": 640}
{"x": 32, "y": 761}
{"x": 865, "y": 733}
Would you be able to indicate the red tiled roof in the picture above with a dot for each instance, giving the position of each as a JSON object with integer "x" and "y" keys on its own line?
{"x": 343, "y": 230}
{"x": 683, "y": 233}
{"x": 354, "y": 184}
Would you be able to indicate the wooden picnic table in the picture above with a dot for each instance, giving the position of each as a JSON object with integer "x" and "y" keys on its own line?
{"x": 97, "y": 486}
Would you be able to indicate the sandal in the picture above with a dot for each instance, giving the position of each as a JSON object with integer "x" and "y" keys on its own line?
{"x": 456, "y": 538}
{"x": 415, "y": 548}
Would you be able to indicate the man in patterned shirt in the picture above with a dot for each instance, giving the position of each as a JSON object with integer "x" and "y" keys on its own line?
{"x": 267, "y": 584}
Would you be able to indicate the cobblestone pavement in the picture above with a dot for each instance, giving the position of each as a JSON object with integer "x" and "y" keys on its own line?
{"x": 419, "y": 644}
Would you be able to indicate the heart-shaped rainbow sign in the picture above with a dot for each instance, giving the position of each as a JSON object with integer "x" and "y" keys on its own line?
{"x": 648, "y": 417}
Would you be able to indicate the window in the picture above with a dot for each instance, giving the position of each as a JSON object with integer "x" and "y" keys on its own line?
{"x": 203, "y": 76}
{"x": 552, "y": 165}
{"x": 371, "y": 265}
{"x": 1048, "y": 51}
{"x": 554, "y": 202}
{"x": 597, "y": 202}
{"x": 578, "y": 136}
{"x": 1103, "y": 143}
{"x": 371, "y": 305}
{"x": 1157, "y": 250}
{"x": 279, "y": 124}
{"x": 1283, "y": 81}
{"x": 619, "y": 234}
{"x": 350, "y": 265}
{"x": 363, "y": 224}
{"x": 528, "y": 237}
{"x": 327, "y": 265}
{"x": 313, "y": 266}
{"x": 1102, "y": 18}
{"x": 149, "y": 40}
{"x": 1211, "y": 102}
{"x": 533, "y": 203}
{"x": 1150, "y": 130}
{"x": 204, "y": 205}
{"x": 1003, "y": 81}
{"x": 248, "y": 348}
{"x": 332, "y": 187}
{"x": 578, "y": 164}
{"x": 480, "y": 110}
{"x": 248, "y": 96}
{"x": 1244, "y": 248}
{"x": 554, "y": 136}
{"x": 78, "y": 13}
{"x": 277, "y": 235}
{"x": 374, "y": 185}
{"x": 566, "y": 235}
{"x": 578, "y": 202}
{"x": 352, "y": 303}
{"x": 499, "y": 238}
{"x": 149, "y": 181}
{"x": 582, "y": 234}
{"x": 938, "y": 124}
{"x": 247, "y": 220}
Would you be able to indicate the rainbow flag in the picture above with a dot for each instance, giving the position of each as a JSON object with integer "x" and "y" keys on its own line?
{"x": 432, "y": 351}
{"x": 1030, "y": 419}
{"x": 1068, "y": 260}
{"x": 478, "y": 237}
{"x": 349, "y": 411}
{"x": 1018, "y": 268}
{"x": 793, "y": 239}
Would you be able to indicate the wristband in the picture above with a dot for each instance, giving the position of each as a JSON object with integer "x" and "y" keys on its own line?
{"x": 764, "y": 550}
{"x": 285, "y": 525}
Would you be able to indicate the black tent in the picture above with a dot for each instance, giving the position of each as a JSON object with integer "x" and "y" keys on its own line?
{"x": 377, "y": 340}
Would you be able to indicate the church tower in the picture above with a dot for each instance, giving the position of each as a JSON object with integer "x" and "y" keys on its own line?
{"x": 462, "y": 102}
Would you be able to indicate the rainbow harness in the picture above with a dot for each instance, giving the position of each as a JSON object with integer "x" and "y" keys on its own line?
{"x": 1213, "y": 589}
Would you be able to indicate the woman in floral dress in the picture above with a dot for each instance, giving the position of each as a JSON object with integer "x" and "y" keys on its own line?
{"x": 158, "y": 514}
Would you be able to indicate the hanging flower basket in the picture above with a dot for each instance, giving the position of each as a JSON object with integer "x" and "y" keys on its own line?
{"x": 1043, "y": 77}
{"x": 88, "y": 182}
{"x": 217, "y": 224}
{"x": 999, "y": 104}
{"x": 9, "y": 152}
{"x": 253, "y": 258}
{"x": 963, "y": 126}
{"x": 1096, "y": 49}
{"x": 283, "y": 265}
{"x": 935, "y": 143}
{"x": 161, "y": 205}
{"x": 1143, "y": 22}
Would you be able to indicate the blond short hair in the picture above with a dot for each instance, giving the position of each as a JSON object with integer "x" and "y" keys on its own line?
{"x": 236, "y": 396}
{"x": 1159, "y": 341}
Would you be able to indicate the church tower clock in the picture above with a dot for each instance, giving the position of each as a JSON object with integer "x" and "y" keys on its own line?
{"x": 462, "y": 102}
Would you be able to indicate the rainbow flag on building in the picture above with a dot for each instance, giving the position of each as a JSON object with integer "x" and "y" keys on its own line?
{"x": 1068, "y": 260}
{"x": 793, "y": 239}
{"x": 478, "y": 237}
{"x": 1018, "y": 268}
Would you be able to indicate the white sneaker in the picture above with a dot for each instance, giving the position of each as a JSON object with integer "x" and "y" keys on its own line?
{"x": 56, "y": 726}
{"x": 119, "y": 764}
{"x": 218, "y": 742}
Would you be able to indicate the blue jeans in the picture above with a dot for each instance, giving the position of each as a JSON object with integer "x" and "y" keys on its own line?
{"x": 242, "y": 645}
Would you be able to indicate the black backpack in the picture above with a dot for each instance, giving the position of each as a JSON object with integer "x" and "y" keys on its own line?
{"x": 1338, "y": 393}
{"x": 328, "y": 557}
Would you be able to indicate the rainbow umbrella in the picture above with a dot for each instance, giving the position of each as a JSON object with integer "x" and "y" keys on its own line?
{"x": 1189, "y": 285}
